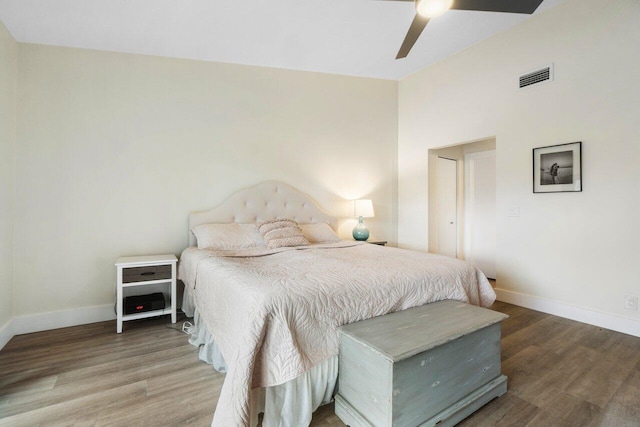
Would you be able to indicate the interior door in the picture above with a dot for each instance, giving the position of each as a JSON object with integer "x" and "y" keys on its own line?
{"x": 480, "y": 211}
{"x": 447, "y": 188}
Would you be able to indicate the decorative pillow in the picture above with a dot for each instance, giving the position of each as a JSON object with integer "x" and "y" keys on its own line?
{"x": 280, "y": 233}
{"x": 319, "y": 233}
{"x": 227, "y": 236}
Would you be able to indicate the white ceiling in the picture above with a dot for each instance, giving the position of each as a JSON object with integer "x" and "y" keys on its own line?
{"x": 352, "y": 37}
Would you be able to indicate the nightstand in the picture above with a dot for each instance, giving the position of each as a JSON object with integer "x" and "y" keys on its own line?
{"x": 143, "y": 271}
{"x": 378, "y": 242}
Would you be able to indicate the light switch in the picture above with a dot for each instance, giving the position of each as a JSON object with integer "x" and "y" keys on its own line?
{"x": 514, "y": 212}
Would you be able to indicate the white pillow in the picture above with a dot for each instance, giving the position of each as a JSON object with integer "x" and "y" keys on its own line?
{"x": 281, "y": 233}
{"x": 227, "y": 236}
{"x": 319, "y": 233}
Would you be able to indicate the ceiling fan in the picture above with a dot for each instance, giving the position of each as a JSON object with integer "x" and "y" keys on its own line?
{"x": 427, "y": 9}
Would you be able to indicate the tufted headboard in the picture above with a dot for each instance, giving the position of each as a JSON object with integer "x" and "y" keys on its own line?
{"x": 267, "y": 200}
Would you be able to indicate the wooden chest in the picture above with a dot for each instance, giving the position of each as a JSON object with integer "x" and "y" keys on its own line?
{"x": 434, "y": 364}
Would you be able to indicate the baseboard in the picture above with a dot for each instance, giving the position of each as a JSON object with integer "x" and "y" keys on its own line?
{"x": 6, "y": 333}
{"x": 584, "y": 315}
{"x": 62, "y": 319}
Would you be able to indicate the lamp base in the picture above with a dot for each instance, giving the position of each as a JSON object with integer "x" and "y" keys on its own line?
{"x": 360, "y": 232}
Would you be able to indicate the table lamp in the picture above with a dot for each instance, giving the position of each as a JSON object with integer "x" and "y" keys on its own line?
{"x": 362, "y": 208}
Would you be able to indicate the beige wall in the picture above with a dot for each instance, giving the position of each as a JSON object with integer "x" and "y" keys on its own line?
{"x": 8, "y": 69}
{"x": 114, "y": 150}
{"x": 574, "y": 249}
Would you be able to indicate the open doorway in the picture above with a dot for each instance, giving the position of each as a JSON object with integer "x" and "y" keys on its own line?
{"x": 473, "y": 225}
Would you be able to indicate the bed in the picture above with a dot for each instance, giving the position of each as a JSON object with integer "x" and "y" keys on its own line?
{"x": 267, "y": 314}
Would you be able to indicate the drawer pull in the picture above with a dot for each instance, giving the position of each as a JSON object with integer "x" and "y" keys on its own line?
{"x": 148, "y": 273}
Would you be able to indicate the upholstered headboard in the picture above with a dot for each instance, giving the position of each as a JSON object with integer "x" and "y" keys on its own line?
{"x": 267, "y": 200}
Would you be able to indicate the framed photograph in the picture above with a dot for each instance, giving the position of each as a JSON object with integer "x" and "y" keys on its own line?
{"x": 557, "y": 168}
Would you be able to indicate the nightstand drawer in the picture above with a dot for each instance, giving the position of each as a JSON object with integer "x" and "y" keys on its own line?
{"x": 142, "y": 274}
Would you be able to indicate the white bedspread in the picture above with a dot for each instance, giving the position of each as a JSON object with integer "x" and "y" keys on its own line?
{"x": 275, "y": 315}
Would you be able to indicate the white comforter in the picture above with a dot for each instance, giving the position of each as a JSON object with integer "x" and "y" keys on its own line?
{"x": 274, "y": 315}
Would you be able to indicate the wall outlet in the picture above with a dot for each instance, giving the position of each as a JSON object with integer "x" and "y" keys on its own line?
{"x": 631, "y": 302}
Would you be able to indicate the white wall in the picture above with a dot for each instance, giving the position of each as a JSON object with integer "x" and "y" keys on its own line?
{"x": 568, "y": 252}
{"x": 114, "y": 150}
{"x": 8, "y": 68}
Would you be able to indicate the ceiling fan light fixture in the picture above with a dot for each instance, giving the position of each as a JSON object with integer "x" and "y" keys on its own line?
{"x": 432, "y": 8}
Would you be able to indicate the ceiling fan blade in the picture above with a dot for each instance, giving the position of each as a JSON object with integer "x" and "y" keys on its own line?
{"x": 509, "y": 6}
{"x": 418, "y": 24}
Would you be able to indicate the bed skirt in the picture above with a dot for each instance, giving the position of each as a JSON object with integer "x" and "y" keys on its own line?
{"x": 286, "y": 405}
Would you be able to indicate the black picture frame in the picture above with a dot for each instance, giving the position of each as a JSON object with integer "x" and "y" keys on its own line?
{"x": 558, "y": 168}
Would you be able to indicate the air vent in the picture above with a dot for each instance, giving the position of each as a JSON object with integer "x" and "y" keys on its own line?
{"x": 539, "y": 76}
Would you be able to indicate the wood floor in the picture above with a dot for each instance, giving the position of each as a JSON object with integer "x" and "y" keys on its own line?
{"x": 561, "y": 373}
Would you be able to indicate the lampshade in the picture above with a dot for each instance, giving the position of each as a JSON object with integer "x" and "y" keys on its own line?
{"x": 363, "y": 208}
{"x": 432, "y": 8}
